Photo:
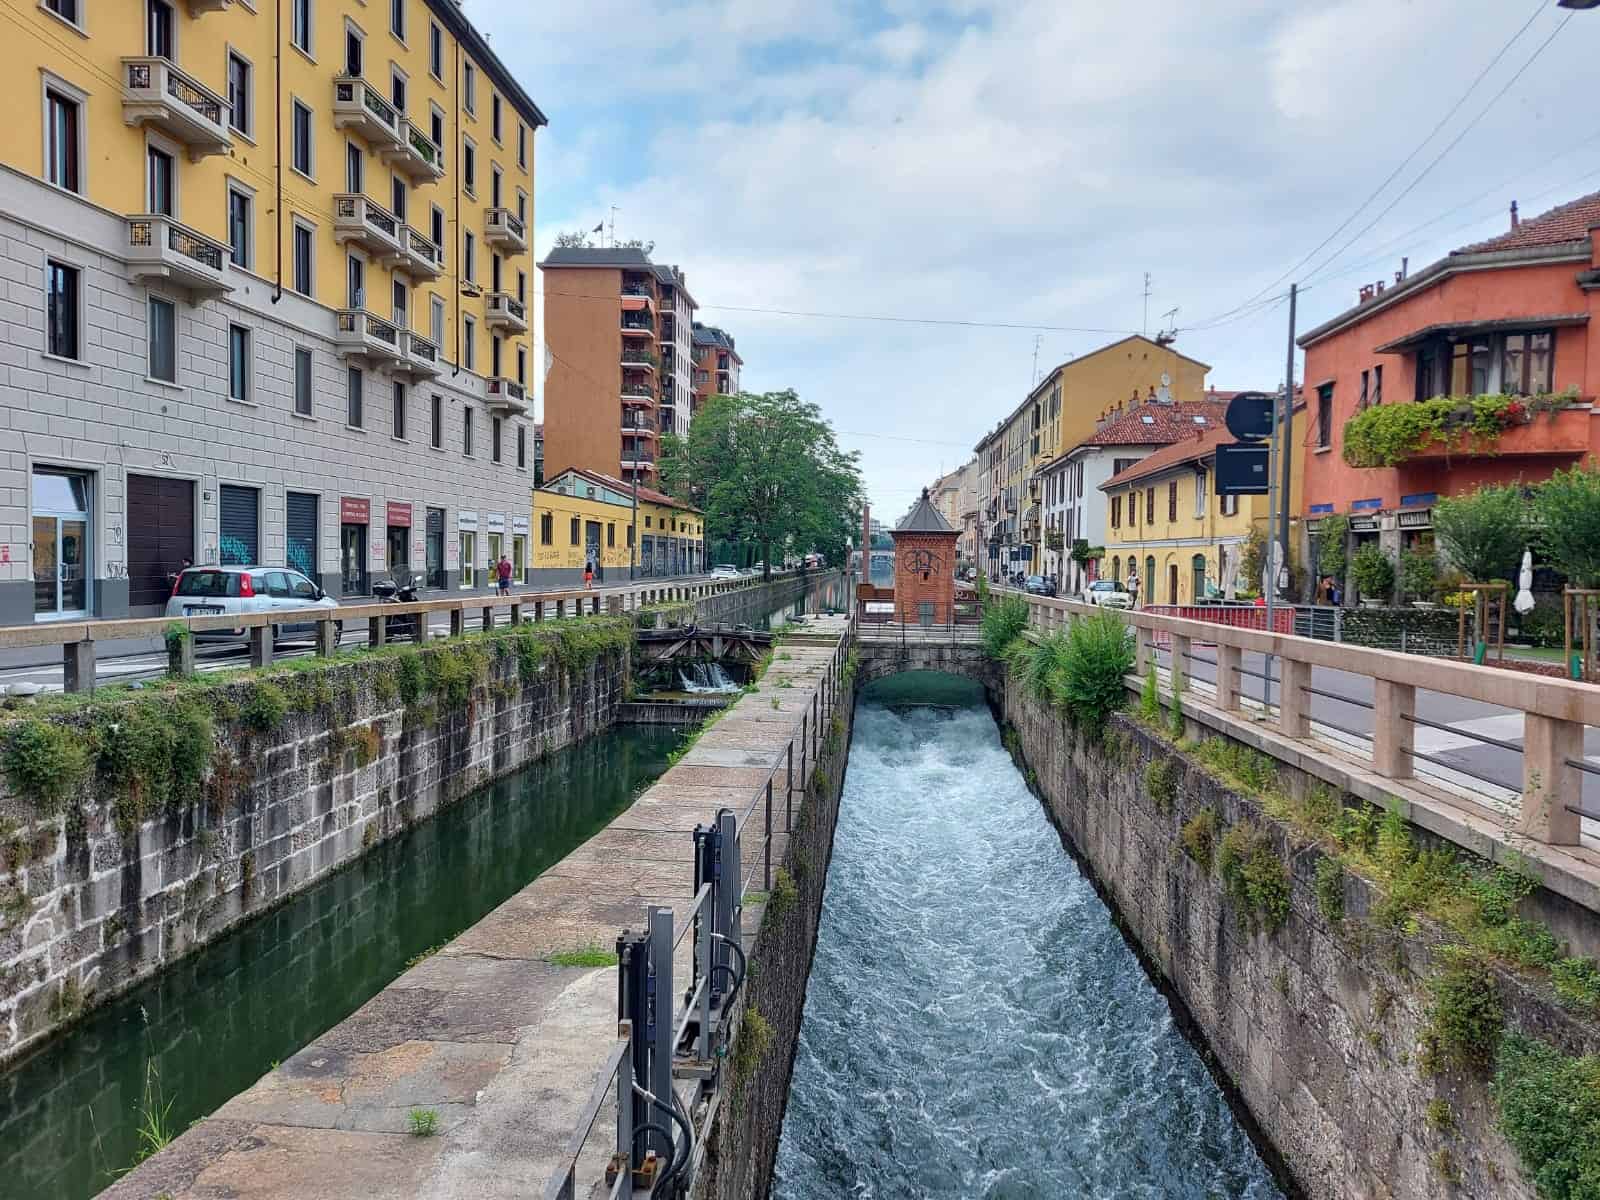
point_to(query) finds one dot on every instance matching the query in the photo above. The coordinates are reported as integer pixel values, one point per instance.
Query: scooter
(402, 590)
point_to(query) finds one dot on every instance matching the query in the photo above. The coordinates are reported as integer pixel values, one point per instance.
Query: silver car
(212, 591)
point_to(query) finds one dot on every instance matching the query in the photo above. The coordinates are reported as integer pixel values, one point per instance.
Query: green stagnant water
(222, 1017)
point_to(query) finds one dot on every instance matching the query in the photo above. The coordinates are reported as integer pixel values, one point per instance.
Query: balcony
(362, 221)
(423, 260)
(160, 248)
(199, 8)
(638, 394)
(422, 357)
(507, 395)
(632, 327)
(156, 93)
(505, 312)
(417, 156)
(359, 334)
(637, 297)
(504, 230)
(1562, 433)
(637, 423)
(639, 360)
(357, 107)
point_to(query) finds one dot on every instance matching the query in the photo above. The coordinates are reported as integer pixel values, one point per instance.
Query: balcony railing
(637, 422)
(424, 259)
(361, 219)
(505, 311)
(360, 334)
(422, 356)
(158, 93)
(506, 394)
(635, 328)
(357, 106)
(639, 360)
(160, 248)
(415, 154)
(504, 229)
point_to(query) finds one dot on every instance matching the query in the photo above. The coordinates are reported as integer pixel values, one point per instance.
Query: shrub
(265, 707)
(1549, 1106)
(153, 754)
(1003, 622)
(1465, 1020)
(1332, 536)
(1161, 782)
(1253, 875)
(1096, 656)
(1372, 573)
(1577, 982)
(1150, 696)
(411, 677)
(1566, 508)
(1199, 836)
(44, 762)
(1419, 574)
(1483, 532)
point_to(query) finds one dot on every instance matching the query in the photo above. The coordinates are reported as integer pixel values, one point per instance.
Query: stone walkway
(501, 1043)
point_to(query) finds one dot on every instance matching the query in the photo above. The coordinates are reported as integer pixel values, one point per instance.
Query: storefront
(434, 555)
(355, 515)
(62, 562)
(397, 524)
(519, 549)
(467, 546)
(496, 523)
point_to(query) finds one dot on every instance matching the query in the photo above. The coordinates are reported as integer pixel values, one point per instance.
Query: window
(355, 160)
(302, 259)
(494, 116)
(494, 355)
(1116, 512)
(397, 90)
(522, 206)
(469, 343)
(239, 227)
(61, 310)
(1150, 506)
(239, 98)
(238, 362)
(158, 29)
(435, 50)
(162, 179)
(469, 165)
(67, 10)
(1199, 494)
(469, 88)
(400, 303)
(302, 381)
(436, 422)
(355, 282)
(1324, 415)
(300, 137)
(352, 50)
(522, 365)
(300, 24)
(436, 125)
(494, 186)
(522, 145)
(436, 320)
(574, 533)
(1361, 400)
(469, 257)
(398, 409)
(397, 198)
(436, 227)
(494, 438)
(466, 432)
(354, 382)
(522, 447)
(1172, 501)
(1377, 385)
(1228, 505)
(1527, 364)
(494, 271)
(547, 533)
(397, 18)
(163, 339)
(611, 533)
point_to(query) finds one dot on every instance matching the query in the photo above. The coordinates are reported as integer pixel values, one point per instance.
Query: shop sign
(353, 511)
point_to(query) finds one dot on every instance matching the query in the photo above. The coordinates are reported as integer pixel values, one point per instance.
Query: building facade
(1509, 317)
(588, 518)
(619, 331)
(266, 298)
(716, 364)
(924, 566)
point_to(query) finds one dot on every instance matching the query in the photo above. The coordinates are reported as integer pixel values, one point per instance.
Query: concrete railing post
(1180, 655)
(327, 638)
(516, 614)
(1228, 660)
(261, 646)
(1550, 783)
(1143, 649)
(180, 655)
(561, 609)
(1294, 709)
(1392, 730)
(77, 666)
(538, 611)
(377, 631)
(488, 618)
(458, 622)
(614, 605)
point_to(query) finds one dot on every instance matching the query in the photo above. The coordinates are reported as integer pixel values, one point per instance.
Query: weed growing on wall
(44, 762)
(784, 894)
(1175, 710)
(752, 1043)
(1199, 836)
(1329, 887)
(1465, 1019)
(1254, 875)
(1161, 782)
(265, 707)
(422, 1122)
(1549, 1105)
(1150, 696)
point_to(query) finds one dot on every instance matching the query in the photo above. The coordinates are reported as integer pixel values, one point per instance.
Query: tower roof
(924, 518)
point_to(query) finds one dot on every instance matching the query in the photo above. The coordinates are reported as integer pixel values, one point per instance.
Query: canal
(209, 1027)
(974, 1024)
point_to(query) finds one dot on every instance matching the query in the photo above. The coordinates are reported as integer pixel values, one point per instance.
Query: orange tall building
(716, 364)
(619, 330)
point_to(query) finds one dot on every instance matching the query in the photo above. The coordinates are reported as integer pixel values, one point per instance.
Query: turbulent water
(974, 1026)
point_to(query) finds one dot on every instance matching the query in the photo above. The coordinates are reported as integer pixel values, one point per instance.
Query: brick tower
(924, 565)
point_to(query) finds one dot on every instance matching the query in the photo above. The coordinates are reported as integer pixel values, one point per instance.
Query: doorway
(160, 536)
(61, 522)
(1172, 583)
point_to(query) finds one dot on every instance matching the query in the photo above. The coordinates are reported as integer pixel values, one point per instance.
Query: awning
(1456, 331)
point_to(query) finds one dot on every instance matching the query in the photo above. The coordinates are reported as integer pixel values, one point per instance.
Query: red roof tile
(1570, 222)
(1158, 424)
(1191, 450)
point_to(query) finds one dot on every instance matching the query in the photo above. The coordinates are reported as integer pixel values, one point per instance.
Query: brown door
(160, 535)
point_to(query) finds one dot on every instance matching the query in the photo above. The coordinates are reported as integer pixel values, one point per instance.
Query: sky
(1014, 168)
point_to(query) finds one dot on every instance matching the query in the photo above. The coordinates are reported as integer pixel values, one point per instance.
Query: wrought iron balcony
(358, 107)
(160, 248)
(360, 334)
(507, 395)
(156, 92)
(362, 221)
(504, 230)
(424, 259)
(638, 394)
(422, 357)
(635, 328)
(505, 312)
(416, 155)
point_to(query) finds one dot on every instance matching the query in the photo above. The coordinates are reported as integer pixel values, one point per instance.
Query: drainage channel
(203, 1031)
(974, 1024)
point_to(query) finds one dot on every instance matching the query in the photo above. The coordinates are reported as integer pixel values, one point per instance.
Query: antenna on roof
(1034, 379)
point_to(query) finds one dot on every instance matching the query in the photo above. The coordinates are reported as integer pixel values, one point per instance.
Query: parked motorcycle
(401, 590)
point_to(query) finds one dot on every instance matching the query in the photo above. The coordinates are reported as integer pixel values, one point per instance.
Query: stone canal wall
(750, 605)
(1332, 1019)
(138, 827)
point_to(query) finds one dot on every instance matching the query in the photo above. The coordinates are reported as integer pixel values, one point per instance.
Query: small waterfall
(700, 677)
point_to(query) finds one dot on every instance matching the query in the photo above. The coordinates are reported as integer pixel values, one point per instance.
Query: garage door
(300, 530)
(160, 535)
(241, 529)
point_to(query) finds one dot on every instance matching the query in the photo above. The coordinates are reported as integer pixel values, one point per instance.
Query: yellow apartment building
(586, 517)
(271, 268)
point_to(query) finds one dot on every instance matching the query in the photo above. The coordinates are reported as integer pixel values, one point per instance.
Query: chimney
(1405, 267)
(1366, 292)
(1515, 220)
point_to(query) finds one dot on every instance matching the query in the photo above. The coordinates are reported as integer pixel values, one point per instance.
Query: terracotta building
(716, 364)
(1510, 316)
(618, 328)
(924, 565)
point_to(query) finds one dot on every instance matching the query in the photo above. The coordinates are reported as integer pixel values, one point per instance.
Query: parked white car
(724, 571)
(212, 591)
(1107, 593)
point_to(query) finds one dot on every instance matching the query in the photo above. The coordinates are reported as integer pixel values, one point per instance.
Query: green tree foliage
(1483, 532)
(1373, 573)
(1567, 507)
(1003, 622)
(767, 470)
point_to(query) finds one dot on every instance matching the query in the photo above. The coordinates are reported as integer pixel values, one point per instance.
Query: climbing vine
(1385, 435)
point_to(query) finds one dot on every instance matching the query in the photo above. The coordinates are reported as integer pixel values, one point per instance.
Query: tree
(577, 239)
(1567, 506)
(766, 469)
(1484, 532)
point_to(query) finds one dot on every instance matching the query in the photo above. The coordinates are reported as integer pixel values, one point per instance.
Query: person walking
(503, 571)
(588, 574)
(1133, 589)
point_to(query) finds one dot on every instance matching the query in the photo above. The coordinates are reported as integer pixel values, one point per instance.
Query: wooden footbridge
(700, 643)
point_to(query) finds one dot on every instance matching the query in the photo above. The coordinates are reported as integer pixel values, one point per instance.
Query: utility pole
(1144, 327)
(1278, 495)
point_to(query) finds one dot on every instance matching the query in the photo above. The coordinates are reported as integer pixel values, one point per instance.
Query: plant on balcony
(1566, 509)
(1372, 573)
(1482, 532)
(1385, 435)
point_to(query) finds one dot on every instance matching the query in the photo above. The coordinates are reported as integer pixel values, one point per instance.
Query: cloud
(1022, 162)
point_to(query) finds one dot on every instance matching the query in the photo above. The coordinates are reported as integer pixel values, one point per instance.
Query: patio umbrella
(1524, 600)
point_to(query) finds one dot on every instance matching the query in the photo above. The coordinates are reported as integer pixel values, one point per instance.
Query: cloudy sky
(1024, 163)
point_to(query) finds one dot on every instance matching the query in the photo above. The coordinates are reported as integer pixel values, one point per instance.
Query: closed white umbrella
(1524, 601)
